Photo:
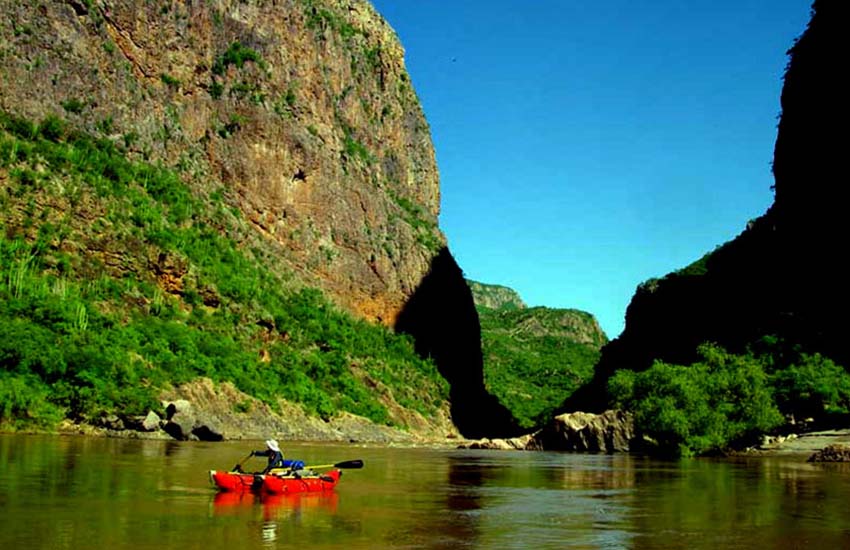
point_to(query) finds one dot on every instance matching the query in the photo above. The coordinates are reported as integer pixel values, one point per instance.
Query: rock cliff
(298, 114)
(783, 275)
(294, 119)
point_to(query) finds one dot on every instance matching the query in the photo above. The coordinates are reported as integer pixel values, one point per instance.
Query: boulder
(207, 431)
(186, 424)
(175, 407)
(180, 426)
(832, 453)
(611, 431)
(111, 422)
(151, 422)
(515, 443)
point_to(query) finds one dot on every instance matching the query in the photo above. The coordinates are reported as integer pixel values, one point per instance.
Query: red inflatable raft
(275, 484)
(301, 484)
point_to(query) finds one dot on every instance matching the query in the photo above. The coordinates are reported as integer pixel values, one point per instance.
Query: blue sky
(586, 147)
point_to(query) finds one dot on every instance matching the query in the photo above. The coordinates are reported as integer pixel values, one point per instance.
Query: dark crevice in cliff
(442, 319)
(784, 275)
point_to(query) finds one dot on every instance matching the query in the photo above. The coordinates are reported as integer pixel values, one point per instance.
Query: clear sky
(585, 147)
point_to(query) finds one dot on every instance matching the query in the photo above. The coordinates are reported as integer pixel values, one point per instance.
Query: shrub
(237, 55)
(169, 80)
(73, 105)
(52, 128)
(813, 387)
(216, 90)
(23, 402)
(709, 406)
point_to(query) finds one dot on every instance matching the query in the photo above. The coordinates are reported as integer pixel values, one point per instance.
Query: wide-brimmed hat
(272, 444)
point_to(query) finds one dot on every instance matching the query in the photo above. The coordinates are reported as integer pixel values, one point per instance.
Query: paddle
(347, 464)
(238, 467)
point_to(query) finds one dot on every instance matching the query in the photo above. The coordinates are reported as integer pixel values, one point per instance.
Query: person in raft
(276, 460)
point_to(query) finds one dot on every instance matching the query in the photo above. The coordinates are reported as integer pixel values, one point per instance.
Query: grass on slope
(116, 281)
(534, 358)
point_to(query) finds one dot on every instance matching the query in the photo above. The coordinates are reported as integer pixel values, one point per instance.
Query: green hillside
(117, 281)
(535, 357)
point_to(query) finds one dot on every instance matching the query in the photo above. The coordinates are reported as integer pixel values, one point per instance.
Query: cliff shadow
(784, 276)
(442, 319)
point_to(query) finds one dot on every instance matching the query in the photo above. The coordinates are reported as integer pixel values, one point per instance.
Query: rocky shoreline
(204, 411)
(613, 431)
(805, 443)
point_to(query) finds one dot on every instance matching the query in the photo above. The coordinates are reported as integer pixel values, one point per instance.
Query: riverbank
(206, 411)
(801, 445)
(806, 443)
(203, 410)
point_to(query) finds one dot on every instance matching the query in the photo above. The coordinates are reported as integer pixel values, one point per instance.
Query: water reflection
(603, 473)
(274, 506)
(464, 497)
(268, 512)
(77, 492)
(729, 503)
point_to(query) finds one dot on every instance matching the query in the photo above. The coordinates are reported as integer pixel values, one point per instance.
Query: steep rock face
(809, 160)
(783, 276)
(298, 114)
(294, 117)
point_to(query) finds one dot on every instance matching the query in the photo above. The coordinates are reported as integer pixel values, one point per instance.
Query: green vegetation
(90, 325)
(725, 401)
(73, 105)
(237, 55)
(319, 19)
(812, 386)
(285, 105)
(535, 357)
(216, 90)
(423, 225)
(373, 57)
(233, 125)
(169, 80)
(356, 150)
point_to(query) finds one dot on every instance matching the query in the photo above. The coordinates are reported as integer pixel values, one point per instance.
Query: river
(61, 492)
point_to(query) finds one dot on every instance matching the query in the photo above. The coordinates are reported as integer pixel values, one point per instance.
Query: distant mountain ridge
(533, 357)
(495, 296)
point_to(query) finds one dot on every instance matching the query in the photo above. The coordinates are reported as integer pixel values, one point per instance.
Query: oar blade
(346, 464)
(349, 464)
